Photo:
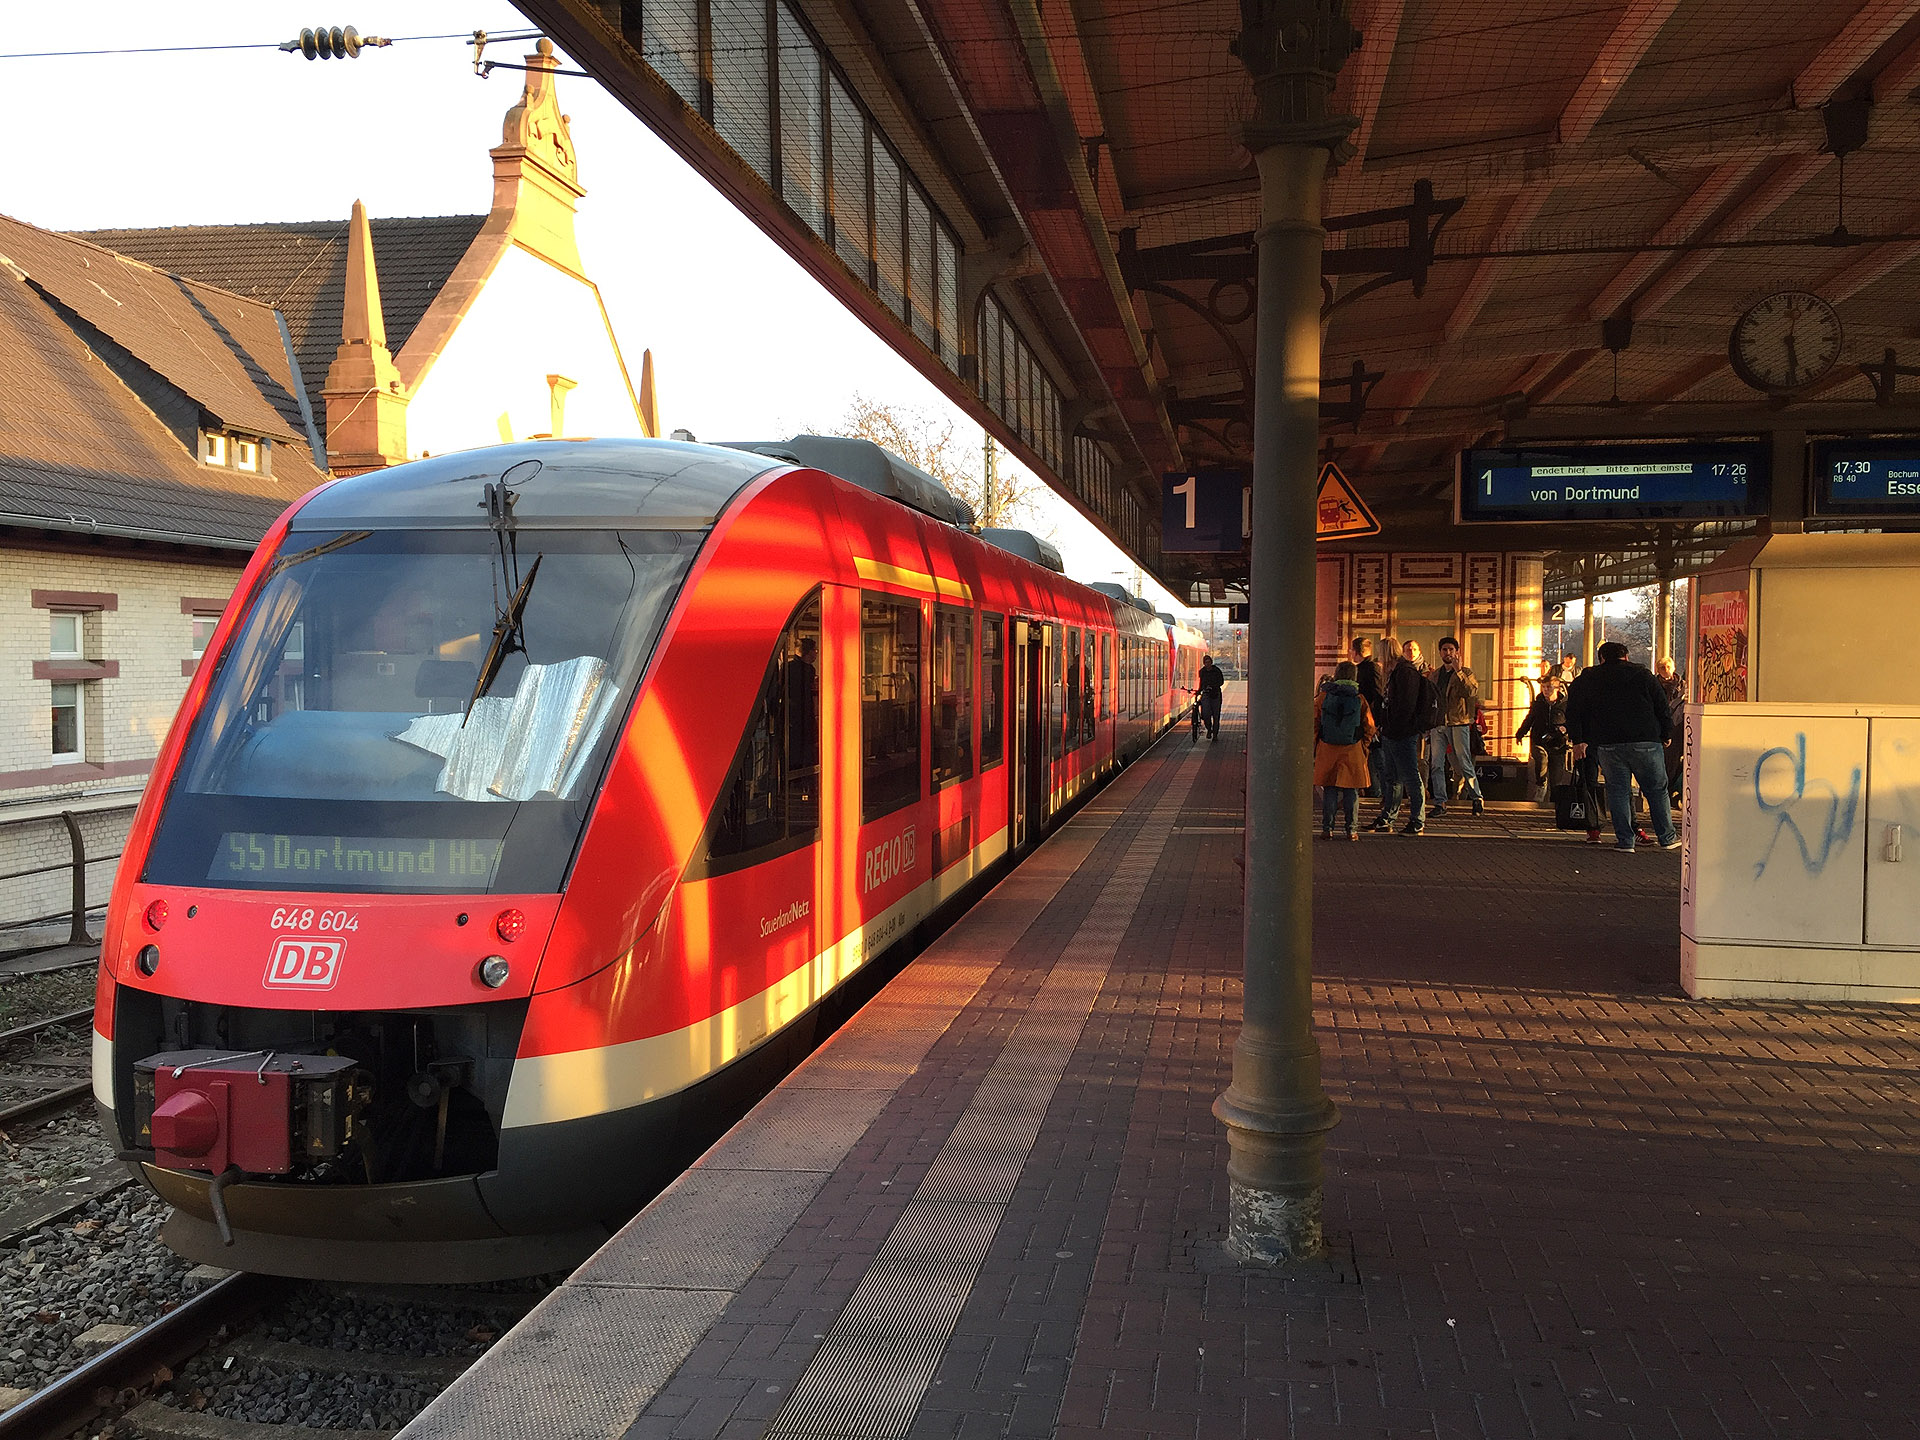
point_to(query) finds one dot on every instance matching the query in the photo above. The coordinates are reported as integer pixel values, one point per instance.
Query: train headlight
(509, 925)
(156, 915)
(148, 960)
(493, 971)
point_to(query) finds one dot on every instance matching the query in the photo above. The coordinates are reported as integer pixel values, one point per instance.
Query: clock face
(1785, 342)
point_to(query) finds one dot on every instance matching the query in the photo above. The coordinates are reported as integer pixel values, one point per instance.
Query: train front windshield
(425, 711)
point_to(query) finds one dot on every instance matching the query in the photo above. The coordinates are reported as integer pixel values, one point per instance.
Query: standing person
(1367, 675)
(1342, 726)
(1546, 723)
(1212, 684)
(1617, 710)
(1411, 703)
(1674, 685)
(1452, 738)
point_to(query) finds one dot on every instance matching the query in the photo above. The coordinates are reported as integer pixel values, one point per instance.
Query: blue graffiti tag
(1840, 813)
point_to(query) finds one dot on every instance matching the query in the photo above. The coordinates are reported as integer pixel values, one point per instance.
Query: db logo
(306, 964)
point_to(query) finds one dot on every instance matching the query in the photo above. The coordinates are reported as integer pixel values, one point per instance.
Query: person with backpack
(1413, 708)
(1342, 726)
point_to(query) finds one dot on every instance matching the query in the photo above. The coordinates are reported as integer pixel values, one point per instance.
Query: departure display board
(1867, 477)
(1613, 482)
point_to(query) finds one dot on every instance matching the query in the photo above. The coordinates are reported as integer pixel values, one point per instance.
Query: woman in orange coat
(1342, 728)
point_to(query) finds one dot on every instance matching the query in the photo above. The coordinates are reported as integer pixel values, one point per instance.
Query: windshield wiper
(506, 640)
(326, 547)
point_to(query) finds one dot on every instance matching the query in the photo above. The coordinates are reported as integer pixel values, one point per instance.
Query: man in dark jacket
(1406, 693)
(1366, 674)
(1619, 710)
(1213, 685)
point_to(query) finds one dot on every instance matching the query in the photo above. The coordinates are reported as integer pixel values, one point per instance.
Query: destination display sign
(294, 862)
(1867, 477)
(1613, 482)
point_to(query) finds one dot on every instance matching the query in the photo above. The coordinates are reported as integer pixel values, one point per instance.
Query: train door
(1029, 771)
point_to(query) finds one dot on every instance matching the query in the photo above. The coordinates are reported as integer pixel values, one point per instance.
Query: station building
(168, 392)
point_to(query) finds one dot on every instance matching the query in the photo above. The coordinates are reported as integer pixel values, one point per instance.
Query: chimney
(366, 403)
(536, 180)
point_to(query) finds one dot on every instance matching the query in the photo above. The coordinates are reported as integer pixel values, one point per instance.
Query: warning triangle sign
(1340, 514)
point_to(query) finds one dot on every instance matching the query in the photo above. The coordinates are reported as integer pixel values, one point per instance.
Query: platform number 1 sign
(1211, 511)
(1203, 511)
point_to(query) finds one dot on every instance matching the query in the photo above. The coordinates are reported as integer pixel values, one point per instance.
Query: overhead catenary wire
(462, 35)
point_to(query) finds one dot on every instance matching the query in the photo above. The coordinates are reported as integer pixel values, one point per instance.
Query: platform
(1562, 1201)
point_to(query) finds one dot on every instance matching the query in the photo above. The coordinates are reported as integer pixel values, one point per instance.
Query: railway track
(26, 1213)
(178, 1377)
(38, 1109)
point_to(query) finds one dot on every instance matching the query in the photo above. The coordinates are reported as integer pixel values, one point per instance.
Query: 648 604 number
(295, 917)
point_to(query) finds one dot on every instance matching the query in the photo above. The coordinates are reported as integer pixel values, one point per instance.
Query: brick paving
(1562, 1201)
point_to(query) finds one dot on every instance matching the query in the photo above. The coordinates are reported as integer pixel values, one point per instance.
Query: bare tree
(1010, 498)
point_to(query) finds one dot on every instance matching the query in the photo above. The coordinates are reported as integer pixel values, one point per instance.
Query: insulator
(324, 41)
(339, 44)
(308, 46)
(347, 42)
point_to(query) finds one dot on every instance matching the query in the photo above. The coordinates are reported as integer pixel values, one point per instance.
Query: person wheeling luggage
(1342, 728)
(1212, 683)
(1618, 712)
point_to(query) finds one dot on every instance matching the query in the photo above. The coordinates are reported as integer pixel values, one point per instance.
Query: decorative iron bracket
(1886, 376)
(1232, 261)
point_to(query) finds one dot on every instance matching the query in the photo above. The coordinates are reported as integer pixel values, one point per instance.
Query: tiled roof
(223, 351)
(301, 269)
(79, 451)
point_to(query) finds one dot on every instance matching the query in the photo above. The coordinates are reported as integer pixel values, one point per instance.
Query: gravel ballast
(103, 1265)
(26, 998)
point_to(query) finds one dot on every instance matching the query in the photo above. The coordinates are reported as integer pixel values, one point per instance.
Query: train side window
(952, 695)
(992, 684)
(1073, 687)
(1056, 698)
(772, 800)
(889, 704)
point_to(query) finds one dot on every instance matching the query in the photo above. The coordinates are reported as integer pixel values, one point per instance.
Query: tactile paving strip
(872, 1372)
(629, 1340)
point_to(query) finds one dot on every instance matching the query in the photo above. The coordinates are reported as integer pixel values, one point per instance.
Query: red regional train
(530, 803)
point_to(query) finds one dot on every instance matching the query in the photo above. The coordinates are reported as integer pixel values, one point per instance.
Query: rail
(62, 1405)
(76, 863)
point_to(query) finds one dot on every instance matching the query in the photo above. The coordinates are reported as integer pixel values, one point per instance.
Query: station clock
(1785, 342)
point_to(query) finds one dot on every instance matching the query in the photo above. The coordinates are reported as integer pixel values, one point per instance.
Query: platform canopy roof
(1049, 210)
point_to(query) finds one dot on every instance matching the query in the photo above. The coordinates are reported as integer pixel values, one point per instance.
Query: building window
(203, 627)
(67, 726)
(65, 639)
(236, 452)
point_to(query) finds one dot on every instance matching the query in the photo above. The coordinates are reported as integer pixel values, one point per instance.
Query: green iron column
(1276, 1113)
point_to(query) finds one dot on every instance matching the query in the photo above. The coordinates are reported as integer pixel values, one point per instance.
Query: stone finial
(534, 129)
(535, 179)
(361, 321)
(366, 403)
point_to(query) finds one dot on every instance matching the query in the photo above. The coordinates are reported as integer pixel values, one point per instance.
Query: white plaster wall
(530, 321)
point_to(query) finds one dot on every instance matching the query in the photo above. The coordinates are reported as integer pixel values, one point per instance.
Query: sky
(745, 344)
